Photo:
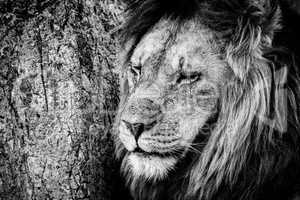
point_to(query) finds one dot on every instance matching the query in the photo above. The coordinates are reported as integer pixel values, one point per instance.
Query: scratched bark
(58, 94)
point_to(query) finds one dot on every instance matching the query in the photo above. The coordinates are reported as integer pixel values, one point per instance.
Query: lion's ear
(254, 32)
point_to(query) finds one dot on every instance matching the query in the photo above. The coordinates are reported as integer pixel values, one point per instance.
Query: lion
(209, 101)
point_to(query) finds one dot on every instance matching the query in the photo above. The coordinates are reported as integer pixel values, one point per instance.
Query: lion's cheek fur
(190, 128)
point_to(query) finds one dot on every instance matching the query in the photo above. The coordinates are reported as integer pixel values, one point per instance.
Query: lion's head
(174, 82)
(204, 97)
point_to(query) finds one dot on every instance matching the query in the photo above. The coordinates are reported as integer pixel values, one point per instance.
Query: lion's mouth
(140, 152)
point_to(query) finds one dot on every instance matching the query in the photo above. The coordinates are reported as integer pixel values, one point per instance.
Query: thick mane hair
(254, 149)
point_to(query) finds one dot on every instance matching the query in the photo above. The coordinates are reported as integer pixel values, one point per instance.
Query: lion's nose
(137, 129)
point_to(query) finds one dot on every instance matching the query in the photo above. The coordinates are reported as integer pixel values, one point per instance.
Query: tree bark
(58, 95)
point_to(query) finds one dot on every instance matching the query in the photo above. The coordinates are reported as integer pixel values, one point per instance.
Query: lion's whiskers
(194, 146)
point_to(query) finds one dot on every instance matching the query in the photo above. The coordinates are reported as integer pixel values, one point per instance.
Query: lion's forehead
(153, 42)
(193, 42)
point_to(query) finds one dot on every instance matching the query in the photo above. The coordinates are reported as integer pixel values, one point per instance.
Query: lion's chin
(150, 167)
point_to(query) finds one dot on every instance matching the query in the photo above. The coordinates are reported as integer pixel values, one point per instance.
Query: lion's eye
(134, 76)
(136, 70)
(188, 78)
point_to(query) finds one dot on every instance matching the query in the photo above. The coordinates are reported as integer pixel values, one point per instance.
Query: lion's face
(172, 85)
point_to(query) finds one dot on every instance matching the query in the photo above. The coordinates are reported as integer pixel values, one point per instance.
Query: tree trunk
(58, 94)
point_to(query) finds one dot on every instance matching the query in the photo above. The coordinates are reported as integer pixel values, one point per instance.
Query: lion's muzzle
(144, 129)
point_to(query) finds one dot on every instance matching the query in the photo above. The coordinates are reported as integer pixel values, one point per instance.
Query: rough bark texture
(58, 93)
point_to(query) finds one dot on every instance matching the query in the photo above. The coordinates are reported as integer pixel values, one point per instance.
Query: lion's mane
(253, 151)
